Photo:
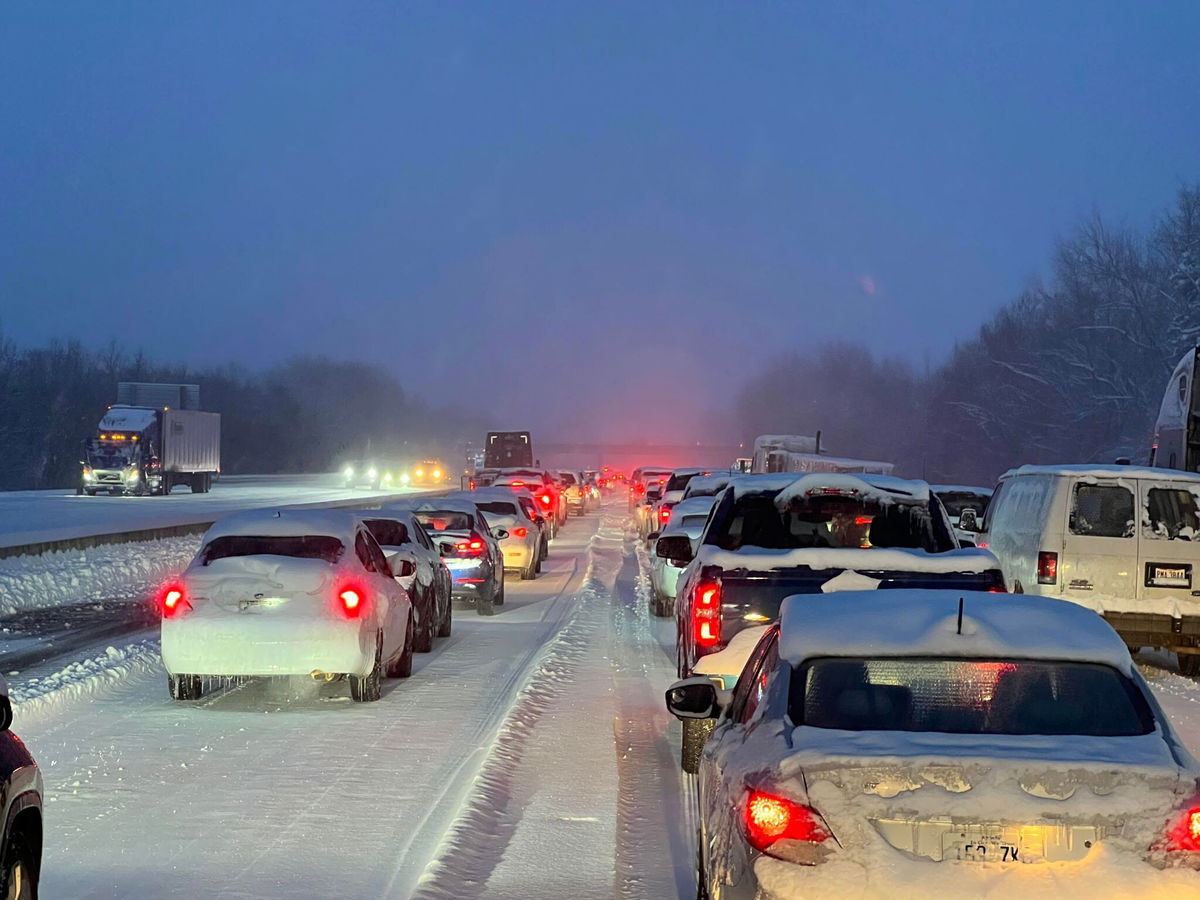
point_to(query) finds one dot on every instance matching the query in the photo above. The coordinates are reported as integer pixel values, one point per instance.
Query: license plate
(1169, 575)
(984, 849)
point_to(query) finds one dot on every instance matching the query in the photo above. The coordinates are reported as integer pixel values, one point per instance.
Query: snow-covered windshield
(388, 532)
(308, 546)
(499, 508)
(967, 696)
(108, 456)
(828, 521)
(445, 520)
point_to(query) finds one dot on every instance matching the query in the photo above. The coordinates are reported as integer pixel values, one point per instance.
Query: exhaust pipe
(318, 675)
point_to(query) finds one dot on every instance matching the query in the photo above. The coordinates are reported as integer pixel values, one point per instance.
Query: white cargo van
(1122, 540)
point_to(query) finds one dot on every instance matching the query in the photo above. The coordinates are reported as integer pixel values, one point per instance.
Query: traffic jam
(850, 684)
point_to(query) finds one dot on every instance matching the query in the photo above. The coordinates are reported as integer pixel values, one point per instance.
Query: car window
(830, 521)
(751, 683)
(445, 520)
(1171, 514)
(967, 696)
(379, 562)
(1102, 510)
(363, 552)
(388, 532)
(309, 546)
(499, 508)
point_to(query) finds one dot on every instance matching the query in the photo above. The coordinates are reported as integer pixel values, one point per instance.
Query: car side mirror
(446, 548)
(674, 546)
(694, 698)
(403, 568)
(499, 533)
(541, 520)
(968, 519)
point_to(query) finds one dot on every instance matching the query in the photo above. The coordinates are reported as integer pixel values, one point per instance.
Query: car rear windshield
(829, 521)
(387, 532)
(309, 546)
(678, 482)
(566, 478)
(499, 508)
(956, 501)
(445, 520)
(967, 696)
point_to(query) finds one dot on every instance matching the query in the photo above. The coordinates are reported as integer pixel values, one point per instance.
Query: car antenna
(960, 607)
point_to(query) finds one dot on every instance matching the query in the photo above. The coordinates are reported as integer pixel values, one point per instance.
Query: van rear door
(1169, 545)
(1100, 550)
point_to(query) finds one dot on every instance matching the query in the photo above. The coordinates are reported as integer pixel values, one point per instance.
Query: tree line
(308, 414)
(1072, 370)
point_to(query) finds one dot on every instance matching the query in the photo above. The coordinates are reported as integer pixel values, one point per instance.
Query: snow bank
(82, 678)
(111, 572)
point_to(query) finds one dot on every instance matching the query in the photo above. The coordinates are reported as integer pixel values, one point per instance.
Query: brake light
(706, 614)
(664, 513)
(352, 602)
(545, 498)
(769, 818)
(517, 483)
(173, 601)
(473, 547)
(520, 532)
(1047, 571)
(1184, 835)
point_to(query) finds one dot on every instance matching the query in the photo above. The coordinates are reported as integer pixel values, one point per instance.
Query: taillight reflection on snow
(770, 819)
(173, 601)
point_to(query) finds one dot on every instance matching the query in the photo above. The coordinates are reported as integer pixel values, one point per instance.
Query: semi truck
(1177, 431)
(154, 437)
(508, 449)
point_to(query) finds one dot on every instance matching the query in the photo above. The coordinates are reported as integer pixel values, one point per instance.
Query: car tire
(701, 876)
(530, 571)
(498, 595)
(401, 666)
(446, 625)
(185, 687)
(485, 606)
(1189, 664)
(423, 642)
(661, 607)
(19, 878)
(695, 735)
(368, 688)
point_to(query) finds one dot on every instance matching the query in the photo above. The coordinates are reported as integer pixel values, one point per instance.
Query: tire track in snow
(655, 834)
(476, 843)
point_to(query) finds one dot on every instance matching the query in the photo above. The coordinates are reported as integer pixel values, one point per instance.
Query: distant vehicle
(474, 556)
(541, 484)
(141, 449)
(769, 450)
(770, 536)
(288, 592)
(642, 477)
(688, 519)
(672, 493)
(784, 453)
(505, 449)
(577, 492)
(1177, 431)
(1121, 540)
(965, 506)
(21, 795)
(428, 473)
(403, 539)
(374, 475)
(938, 744)
(525, 545)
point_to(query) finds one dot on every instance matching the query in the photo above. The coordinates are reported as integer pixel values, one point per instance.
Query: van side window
(1102, 510)
(1171, 514)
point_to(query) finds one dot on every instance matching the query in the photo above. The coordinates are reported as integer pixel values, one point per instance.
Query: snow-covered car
(707, 485)
(403, 539)
(688, 519)
(1120, 540)
(21, 804)
(673, 491)
(929, 743)
(961, 498)
(547, 494)
(473, 554)
(576, 491)
(287, 592)
(524, 547)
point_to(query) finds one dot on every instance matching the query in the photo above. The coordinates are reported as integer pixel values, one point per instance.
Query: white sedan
(524, 547)
(907, 743)
(293, 592)
(687, 518)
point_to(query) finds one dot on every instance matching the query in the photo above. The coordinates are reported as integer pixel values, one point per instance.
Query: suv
(21, 790)
(1121, 540)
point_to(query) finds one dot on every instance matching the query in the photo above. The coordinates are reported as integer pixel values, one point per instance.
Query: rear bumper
(468, 576)
(255, 645)
(1156, 629)
(517, 557)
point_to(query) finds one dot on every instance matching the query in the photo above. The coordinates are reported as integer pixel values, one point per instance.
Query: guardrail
(85, 542)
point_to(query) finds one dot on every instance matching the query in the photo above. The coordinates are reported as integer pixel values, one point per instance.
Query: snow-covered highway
(27, 517)
(528, 756)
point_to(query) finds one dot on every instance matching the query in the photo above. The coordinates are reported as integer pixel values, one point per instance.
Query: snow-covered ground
(528, 757)
(28, 517)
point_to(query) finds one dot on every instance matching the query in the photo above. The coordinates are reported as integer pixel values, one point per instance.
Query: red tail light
(1047, 567)
(472, 547)
(173, 601)
(706, 614)
(664, 513)
(545, 498)
(352, 601)
(1183, 835)
(520, 532)
(769, 818)
(516, 484)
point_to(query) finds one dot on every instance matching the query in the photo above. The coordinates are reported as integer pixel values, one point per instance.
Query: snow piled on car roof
(336, 523)
(925, 623)
(1091, 470)
(859, 559)
(881, 488)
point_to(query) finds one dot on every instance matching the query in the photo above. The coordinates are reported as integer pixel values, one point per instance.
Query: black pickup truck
(771, 536)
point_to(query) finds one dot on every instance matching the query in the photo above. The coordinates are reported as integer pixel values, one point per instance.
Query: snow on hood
(880, 488)
(695, 506)
(864, 559)
(706, 486)
(921, 622)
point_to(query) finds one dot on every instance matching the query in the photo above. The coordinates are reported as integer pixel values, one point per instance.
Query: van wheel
(185, 687)
(19, 879)
(695, 735)
(1189, 664)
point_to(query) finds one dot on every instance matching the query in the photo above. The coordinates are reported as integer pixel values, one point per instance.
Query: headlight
(437, 473)
(404, 478)
(387, 476)
(88, 475)
(131, 475)
(371, 473)
(420, 473)
(348, 471)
